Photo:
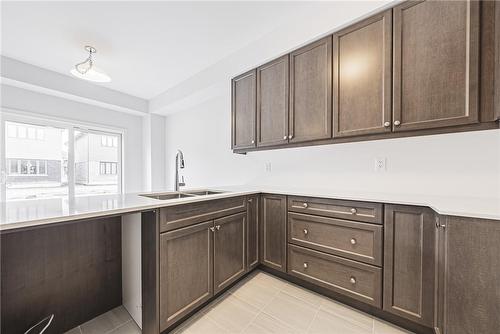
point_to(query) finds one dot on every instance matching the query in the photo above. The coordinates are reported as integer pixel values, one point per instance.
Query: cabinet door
(362, 71)
(186, 271)
(311, 92)
(243, 102)
(469, 298)
(252, 232)
(273, 231)
(409, 262)
(497, 60)
(229, 250)
(272, 102)
(436, 64)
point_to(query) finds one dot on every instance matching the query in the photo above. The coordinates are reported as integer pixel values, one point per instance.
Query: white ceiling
(146, 47)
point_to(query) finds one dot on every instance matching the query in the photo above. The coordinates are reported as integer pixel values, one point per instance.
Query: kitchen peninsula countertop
(34, 212)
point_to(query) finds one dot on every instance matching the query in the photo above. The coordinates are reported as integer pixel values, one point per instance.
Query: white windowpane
(115, 141)
(31, 133)
(29, 161)
(21, 131)
(12, 130)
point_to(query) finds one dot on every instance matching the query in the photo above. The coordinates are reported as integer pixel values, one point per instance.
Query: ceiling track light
(87, 70)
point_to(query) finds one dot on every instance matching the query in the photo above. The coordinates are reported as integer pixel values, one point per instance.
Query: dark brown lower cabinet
(410, 253)
(273, 231)
(229, 250)
(252, 232)
(186, 271)
(469, 276)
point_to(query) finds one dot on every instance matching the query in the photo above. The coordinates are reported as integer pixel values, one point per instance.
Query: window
(26, 167)
(40, 162)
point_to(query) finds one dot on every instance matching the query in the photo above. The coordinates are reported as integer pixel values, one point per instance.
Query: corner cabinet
(469, 276)
(410, 253)
(273, 231)
(243, 115)
(311, 92)
(362, 77)
(436, 64)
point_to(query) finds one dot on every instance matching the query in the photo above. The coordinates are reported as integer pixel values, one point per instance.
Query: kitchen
(267, 167)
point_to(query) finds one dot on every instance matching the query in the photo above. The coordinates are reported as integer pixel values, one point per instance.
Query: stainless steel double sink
(181, 194)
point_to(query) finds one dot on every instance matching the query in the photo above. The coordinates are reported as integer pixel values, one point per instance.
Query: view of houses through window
(37, 160)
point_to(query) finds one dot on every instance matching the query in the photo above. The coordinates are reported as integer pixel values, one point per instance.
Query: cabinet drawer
(354, 279)
(357, 241)
(183, 215)
(361, 211)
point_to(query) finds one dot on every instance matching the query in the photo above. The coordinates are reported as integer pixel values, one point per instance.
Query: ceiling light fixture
(87, 71)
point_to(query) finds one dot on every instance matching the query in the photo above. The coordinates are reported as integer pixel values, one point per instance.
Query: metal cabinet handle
(217, 227)
(290, 136)
(306, 231)
(352, 280)
(305, 205)
(387, 124)
(354, 211)
(305, 265)
(397, 123)
(212, 229)
(353, 241)
(249, 200)
(285, 137)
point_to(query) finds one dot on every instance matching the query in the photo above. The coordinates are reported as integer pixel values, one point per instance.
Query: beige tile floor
(259, 304)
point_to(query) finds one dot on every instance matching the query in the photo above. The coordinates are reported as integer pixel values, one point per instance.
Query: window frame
(19, 116)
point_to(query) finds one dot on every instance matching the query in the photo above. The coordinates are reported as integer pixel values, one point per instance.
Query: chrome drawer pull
(305, 205)
(212, 229)
(217, 227)
(353, 241)
(306, 231)
(352, 280)
(353, 211)
(305, 265)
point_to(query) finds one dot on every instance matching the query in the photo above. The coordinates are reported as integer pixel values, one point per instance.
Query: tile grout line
(261, 310)
(314, 318)
(120, 325)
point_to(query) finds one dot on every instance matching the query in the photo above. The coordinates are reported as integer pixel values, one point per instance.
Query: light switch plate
(380, 164)
(268, 167)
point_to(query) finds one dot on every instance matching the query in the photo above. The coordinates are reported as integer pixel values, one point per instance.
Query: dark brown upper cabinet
(273, 231)
(229, 250)
(244, 100)
(311, 92)
(497, 61)
(410, 237)
(362, 71)
(436, 64)
(272, 102)
(252, 232)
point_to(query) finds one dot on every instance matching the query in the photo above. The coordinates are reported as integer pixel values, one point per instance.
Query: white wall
(451, 164)
(43, 105)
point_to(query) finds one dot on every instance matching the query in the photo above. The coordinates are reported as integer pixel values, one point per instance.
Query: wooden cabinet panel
(360, 211)
(469, 298)
(229, 250)
(272, 102)
(354, 240)
(244, 102)
(436, 64)
(174, 217)
(362, 71)
(409, 262)
(186, 271)
(497, 60)
(252, 232)
(311, 92)
(273, 231)
(354, 279)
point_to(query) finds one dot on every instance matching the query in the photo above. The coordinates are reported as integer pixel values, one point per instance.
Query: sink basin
(167, 196)
(203, 192)
(183, 194)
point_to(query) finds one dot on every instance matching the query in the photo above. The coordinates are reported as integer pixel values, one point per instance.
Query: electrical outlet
(268, 167)
(380, 164)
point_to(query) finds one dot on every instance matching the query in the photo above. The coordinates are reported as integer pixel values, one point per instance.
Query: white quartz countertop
(28, 213)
